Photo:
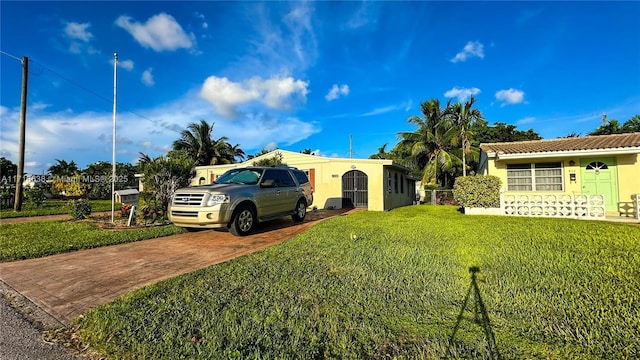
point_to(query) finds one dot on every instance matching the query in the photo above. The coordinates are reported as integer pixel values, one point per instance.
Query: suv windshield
(240, 176)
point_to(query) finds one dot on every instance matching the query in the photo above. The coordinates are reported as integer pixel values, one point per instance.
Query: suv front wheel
(300, 211)
(243, 221)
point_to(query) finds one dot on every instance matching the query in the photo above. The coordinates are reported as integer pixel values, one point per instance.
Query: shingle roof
(601, 142)
(127, 192)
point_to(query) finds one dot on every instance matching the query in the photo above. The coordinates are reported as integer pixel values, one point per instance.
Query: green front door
(599, 176)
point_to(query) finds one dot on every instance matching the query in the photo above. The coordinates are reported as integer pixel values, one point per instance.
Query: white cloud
(78, 31)
(461, 93)
(472, 49)
(126, 64)
(526, 120)
(298, 21)
(405, 106)
(286, 46)
(86, 137)
(275, 93)
(160, 33)
(365, 15)
(79, 38)
(337, 90)
(510, 96)
(147, 77)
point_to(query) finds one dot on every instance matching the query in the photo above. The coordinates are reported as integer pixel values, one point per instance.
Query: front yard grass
(33, 239)
(54, 207)
(385, 285)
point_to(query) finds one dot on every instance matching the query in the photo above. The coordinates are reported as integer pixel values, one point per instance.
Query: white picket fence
(554, 205)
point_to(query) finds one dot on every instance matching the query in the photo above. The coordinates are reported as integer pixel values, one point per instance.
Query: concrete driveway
(68, 285)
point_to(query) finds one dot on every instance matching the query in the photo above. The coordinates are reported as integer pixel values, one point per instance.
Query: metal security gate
(355, 189)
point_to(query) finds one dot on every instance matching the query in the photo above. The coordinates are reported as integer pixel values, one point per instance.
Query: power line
(11, 56)
(75, 83)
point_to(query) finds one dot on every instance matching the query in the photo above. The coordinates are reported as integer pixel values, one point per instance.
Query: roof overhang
(570, 153)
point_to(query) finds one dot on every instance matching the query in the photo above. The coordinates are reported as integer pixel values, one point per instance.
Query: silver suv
(242, 197)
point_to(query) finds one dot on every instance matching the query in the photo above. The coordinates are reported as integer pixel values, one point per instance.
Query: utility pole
(350, 146)
(17, 204)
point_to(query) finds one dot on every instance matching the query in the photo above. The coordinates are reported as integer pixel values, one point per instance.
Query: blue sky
(297, 75)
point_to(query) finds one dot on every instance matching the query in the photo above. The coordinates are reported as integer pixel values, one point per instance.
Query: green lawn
(553, 288)
(41, 238)
(55, 207)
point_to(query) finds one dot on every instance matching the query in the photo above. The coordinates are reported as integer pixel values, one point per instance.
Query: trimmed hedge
(477, 191)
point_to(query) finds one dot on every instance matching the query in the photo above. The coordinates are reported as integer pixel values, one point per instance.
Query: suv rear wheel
(243, 221)
(300, 211)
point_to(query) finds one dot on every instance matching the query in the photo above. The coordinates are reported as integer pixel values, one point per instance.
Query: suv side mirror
(268, 183)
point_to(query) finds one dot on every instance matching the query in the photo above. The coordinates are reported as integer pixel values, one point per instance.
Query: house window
(597, 165)
(534, 177)
(389, 182)
(396, 182)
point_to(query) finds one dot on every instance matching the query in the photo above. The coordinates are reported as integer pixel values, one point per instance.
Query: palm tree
(238, 153)
(428, 145)
(608, 127)
(62, 168)
(458, 119)
(631, 125)
(381, 153)
(222, 153)
(198, 142)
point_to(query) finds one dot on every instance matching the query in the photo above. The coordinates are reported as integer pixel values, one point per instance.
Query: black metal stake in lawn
(480, 315)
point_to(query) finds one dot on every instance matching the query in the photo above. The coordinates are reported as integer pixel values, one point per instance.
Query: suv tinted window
(280, 177)
(240, 176)
(300, 176)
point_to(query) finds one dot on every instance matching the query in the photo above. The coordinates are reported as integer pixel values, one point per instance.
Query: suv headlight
(216, 199)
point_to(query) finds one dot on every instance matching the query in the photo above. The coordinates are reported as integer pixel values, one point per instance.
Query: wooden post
(17, 206)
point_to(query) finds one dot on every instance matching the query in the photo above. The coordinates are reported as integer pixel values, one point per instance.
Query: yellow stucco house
(373, 184)
(607, 165)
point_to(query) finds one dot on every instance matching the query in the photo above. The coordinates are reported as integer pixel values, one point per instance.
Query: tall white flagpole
(113, 154)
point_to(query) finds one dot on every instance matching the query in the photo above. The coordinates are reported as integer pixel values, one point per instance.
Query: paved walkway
(68, 285)
(49, 217)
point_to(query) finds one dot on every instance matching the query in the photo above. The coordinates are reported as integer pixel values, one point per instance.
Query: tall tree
(381, 154)
(163, 175)
(428, 145)
(609, 127)
(199, 144)
(238, 153)
(8, 170)
(458, 120)
(632, 125)
(62, 168)
(500, 132)
(61, 184)
(259, 153)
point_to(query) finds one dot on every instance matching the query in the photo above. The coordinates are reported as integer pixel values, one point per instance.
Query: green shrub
(477, 191)
(79, 209)
(150, 208)
(7, 195)
(34, 196)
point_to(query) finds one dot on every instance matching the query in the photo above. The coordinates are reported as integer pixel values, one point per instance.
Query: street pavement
(20, 339)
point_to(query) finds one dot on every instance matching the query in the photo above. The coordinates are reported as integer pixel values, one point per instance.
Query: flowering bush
(125, 210)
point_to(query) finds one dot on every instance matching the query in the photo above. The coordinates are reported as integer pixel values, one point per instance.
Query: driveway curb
(41, 319)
